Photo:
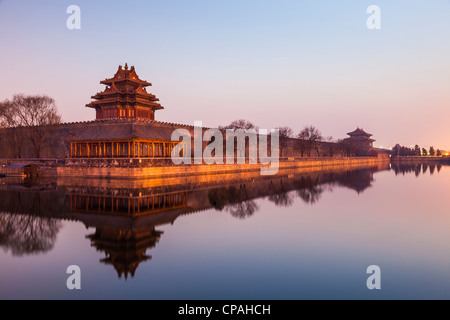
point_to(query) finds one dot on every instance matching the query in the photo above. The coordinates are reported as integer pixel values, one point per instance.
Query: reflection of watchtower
(124, 248)
(125, 220)
(358, 180)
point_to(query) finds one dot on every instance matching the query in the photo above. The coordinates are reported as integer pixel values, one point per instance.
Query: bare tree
(341, 146)
(3, 108)
(35, 113)
(312, 137)
(303, 143)
(348, 148)
(9, 119)
(285, 133)
(240, 124)
(315, 138)
(331, 146)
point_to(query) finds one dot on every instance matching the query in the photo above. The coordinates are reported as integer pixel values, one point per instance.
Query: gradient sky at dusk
(274, 63)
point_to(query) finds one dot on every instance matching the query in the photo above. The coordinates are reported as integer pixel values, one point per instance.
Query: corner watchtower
(125, 96)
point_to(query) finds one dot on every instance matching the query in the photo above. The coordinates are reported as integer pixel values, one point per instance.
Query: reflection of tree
(220, 197)
(280, 195)
(234, 200)
(432, 168)
(310, 195)
(285, 199)
(309, 189)
(27, 234)
(405, 168)
(242, 210)
(417, 169)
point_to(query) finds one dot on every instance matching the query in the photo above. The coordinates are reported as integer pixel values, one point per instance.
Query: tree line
(309, 141)
(29, 115)
(402, 151)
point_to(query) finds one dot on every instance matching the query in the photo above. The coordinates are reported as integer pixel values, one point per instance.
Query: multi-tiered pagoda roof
(360, 135)
(125, 97)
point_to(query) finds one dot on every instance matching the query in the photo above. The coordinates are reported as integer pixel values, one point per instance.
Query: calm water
(294, 236)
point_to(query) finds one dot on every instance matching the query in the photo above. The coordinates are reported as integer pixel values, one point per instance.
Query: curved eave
(134, 101)
(114, 80)
(359, 139)
(99, 104)
(359, 132)
(147, 95)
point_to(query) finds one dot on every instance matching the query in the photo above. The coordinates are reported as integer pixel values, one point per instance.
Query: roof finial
(126, 66)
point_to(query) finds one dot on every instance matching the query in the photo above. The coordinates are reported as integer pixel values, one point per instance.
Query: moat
(296, 235)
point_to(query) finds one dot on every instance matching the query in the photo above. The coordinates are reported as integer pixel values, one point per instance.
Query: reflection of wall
(19, 200)
(308, 187)
(125, 217)
(127, 205)
(125, 244)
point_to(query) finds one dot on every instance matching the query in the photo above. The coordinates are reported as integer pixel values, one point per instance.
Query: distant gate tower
(125, 97)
